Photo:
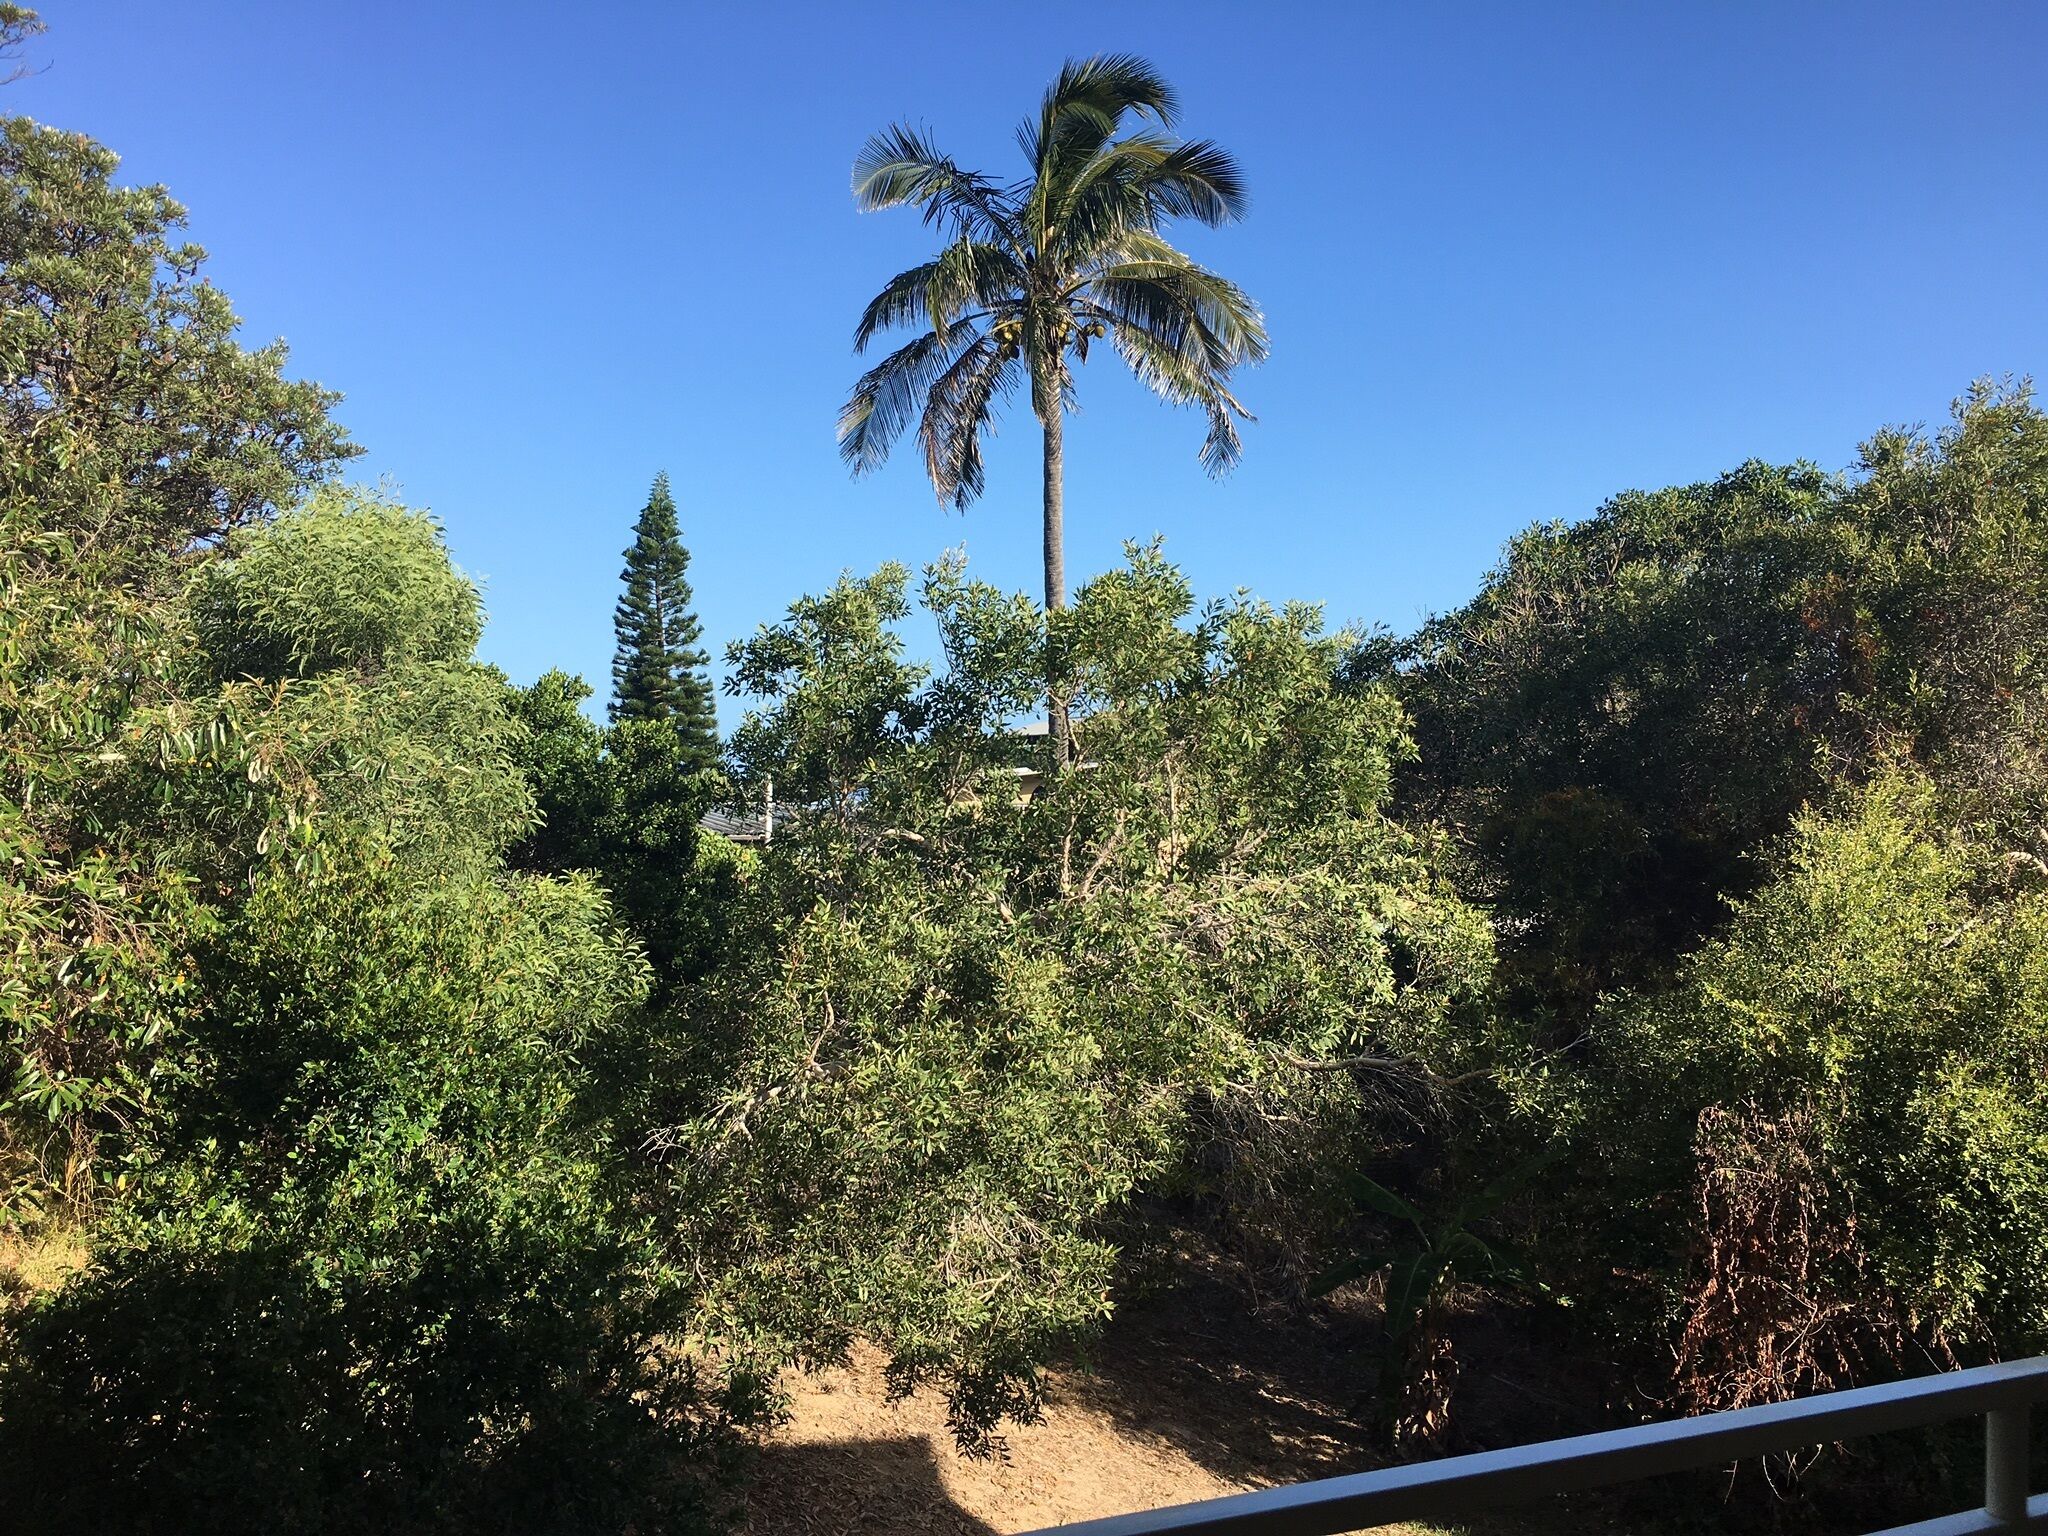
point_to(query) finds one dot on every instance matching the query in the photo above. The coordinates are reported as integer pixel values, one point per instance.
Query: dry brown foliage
(1783, 1297)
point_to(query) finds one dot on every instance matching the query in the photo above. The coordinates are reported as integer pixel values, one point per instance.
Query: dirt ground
(1188, 1397)
(850, 1461)
(1193, 1393)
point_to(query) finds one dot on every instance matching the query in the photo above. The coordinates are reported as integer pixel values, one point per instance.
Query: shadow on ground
(856, 1488)
(1191, 1393)
(1287, 1391)
(1254, 1398)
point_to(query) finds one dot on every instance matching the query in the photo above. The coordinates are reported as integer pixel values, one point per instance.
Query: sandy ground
(851, 1461)
(1190, 1393)
(1178, 1404)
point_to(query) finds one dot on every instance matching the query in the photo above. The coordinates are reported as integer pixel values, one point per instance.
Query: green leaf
(1376, 1196)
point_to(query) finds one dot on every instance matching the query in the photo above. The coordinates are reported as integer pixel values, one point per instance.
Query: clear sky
(1514, 259)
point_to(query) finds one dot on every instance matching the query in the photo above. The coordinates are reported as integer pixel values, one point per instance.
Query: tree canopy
(459, 1137)
(961, 1023)
(309, 1065)
(1034, 271)
(1749, 773)
(658, 671)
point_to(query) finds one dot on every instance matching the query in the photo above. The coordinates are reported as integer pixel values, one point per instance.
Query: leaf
(1340, 1275)
(1411, 1283)
(1376, 1196)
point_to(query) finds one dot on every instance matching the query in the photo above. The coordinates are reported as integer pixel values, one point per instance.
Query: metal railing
(1468, 1485)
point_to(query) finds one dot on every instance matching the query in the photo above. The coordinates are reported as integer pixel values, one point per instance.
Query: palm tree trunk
(1059, 728)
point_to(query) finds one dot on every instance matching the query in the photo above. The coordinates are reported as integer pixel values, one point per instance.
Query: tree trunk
(1051, 417)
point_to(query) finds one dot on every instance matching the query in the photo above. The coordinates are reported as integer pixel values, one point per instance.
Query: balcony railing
(1467, 1485)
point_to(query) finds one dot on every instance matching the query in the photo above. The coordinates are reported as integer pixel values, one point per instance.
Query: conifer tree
(658, 670)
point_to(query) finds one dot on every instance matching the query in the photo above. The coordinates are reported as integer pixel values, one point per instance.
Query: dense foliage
(280, 1027)
(461, 1137)
(378, 1264)
(1634, 705)
(1867, 1037)
(624, 803)
(138, 435)
(1750, 773)
(962, 1021)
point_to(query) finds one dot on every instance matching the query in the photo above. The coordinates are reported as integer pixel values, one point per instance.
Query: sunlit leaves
(960, 1023)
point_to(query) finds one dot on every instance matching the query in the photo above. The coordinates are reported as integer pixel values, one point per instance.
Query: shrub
(380, 1272)
(1876, 1016)
(349, 580)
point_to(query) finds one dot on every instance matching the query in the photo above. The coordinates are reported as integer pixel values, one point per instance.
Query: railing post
(2007, 1477)
(2002, 1394)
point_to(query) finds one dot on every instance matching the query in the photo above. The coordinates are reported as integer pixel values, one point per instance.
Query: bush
(347, 581)
(1876, 1017)
(380, 1273)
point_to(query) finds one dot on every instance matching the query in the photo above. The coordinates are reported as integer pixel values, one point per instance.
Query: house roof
(742, 826)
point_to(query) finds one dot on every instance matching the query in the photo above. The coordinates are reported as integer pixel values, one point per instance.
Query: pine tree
(658, 670)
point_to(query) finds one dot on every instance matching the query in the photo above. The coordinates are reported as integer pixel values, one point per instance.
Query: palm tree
(1034, 270)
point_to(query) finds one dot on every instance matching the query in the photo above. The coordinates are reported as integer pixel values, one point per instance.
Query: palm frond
(886, 396)
(900, 166)
(1142, 179)
(1103, 199)
(958, 409)
(1111, 85)
(1180, 314)
(1223, 446)
(1176, 374)
(901, 302)
(1137, 242)
(971, 272)
(1081, 113)
(1199, 180)
(1179, 379)
(1098, 91)
(965, 274)
(1152, 308)
(1178, 299)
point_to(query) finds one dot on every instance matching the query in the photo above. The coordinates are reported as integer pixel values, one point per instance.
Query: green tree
(136, 422)
(658, 670)
(1035, 271)
(366, 1163)
(347, 615)
(1752, 773)
(562, 759)
(376, 1214)
(623, 804)
(323, 1076)
(958, 1025)
(1629, 708)
(1847, 1080)
(1637, 705)
(136, 434)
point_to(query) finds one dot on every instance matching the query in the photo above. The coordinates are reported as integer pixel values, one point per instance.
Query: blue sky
(1514, 259)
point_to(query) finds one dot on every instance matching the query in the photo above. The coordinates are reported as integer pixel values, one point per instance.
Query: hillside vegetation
(409, 1119)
